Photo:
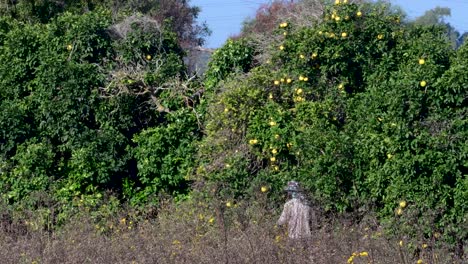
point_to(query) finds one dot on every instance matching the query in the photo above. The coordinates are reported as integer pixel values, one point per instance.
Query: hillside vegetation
(103, 128)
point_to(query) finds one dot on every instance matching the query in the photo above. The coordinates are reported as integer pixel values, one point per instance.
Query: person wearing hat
(296, 213)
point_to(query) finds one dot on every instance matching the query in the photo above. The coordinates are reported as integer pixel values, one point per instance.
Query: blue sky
(224, 17)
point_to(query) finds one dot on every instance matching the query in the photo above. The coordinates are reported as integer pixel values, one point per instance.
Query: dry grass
(196, 232)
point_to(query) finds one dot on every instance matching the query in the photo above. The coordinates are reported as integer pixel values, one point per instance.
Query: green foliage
(164, 156)
(51, 85)
(178, 16)
(364, 110)
(31, 170)
(235, 55)
(83, 102)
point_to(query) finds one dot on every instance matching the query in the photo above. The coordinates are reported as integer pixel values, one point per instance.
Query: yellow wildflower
(277, 238)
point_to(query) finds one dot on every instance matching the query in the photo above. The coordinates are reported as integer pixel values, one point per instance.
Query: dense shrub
(83, 101)
(234, 56)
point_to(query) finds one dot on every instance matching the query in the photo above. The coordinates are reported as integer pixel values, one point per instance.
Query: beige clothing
(296, 215)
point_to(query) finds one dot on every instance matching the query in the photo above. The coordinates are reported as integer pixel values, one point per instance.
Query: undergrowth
(197, 231)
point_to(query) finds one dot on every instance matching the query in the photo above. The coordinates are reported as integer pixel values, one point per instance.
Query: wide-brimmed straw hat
(293, 186)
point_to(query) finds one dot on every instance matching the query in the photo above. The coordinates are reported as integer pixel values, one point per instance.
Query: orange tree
(363, 109)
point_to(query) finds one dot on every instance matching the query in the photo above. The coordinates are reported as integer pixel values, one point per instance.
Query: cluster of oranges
(253, 141)
(273, 159)
(298, 96)
(401, 206)
(282, 80)
(422, 62)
